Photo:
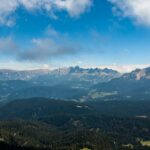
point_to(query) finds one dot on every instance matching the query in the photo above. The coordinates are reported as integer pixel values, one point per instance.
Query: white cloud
(37, 4)
(44, 49)
(139, 10)
(73, 7)
(8, 46)
(7, 8)
(15, 65)
(50, 31)
(125, 68)
(53, 45)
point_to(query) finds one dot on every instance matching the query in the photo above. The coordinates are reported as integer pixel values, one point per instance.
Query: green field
(145, 143)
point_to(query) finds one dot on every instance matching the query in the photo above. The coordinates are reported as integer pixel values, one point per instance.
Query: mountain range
(133, 85)
(75, 108)
(75, 83)
(72, 73)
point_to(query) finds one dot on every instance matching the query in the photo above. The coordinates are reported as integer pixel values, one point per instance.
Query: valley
(65, 111)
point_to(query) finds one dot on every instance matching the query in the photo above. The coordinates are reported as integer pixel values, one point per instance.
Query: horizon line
(118, 68)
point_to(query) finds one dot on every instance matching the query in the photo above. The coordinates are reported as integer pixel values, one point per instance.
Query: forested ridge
(59, 125)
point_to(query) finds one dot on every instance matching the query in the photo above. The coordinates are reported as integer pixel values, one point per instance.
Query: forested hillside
(60, 125)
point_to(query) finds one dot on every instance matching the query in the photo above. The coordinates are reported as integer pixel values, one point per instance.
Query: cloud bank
(45, 48)
(52, 45)
(73, 7)
(125, 68)
(139, 10)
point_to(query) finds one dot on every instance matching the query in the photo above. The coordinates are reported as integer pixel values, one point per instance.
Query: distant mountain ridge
(72, 76)
(75, 83)
(63, 83)
(133, 85)
(138, 74)
(6, 74)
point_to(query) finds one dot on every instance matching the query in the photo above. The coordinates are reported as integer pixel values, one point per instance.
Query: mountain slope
(134, 85)
(64, 83)
(36, 108)
(6, 74)
(8, 87)
(56, 92)
(44, 123)
(77, 76)
(57, 76)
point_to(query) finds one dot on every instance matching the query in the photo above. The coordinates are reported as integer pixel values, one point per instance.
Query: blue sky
(89, 33)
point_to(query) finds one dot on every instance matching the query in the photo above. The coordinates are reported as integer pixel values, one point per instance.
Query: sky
(62, 33)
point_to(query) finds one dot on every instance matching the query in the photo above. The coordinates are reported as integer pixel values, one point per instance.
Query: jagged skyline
(90, 33)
